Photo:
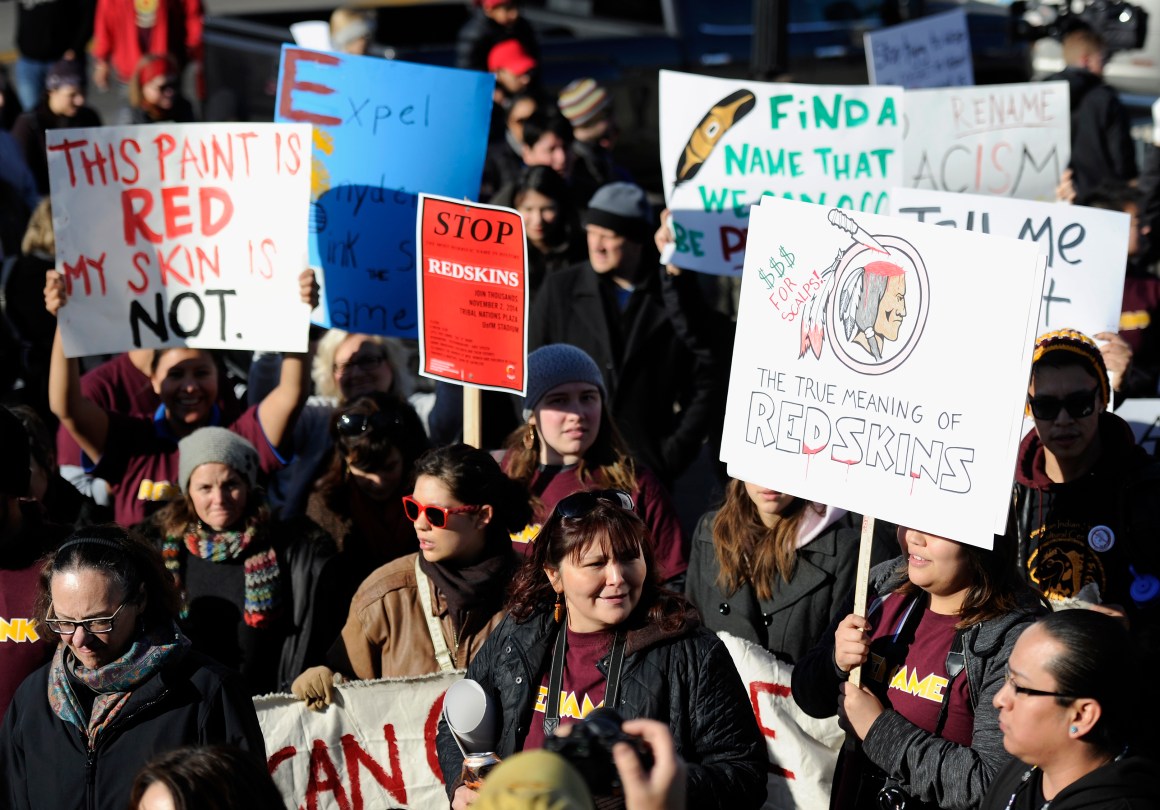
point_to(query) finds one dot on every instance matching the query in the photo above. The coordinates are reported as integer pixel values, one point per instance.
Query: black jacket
(29, 132)
(792, 622)
(45, 29)
(480, 34)
(686, 680)
(1102, 150)
(929, 768)
(647, 355)
(1128, 783)
(45, 763)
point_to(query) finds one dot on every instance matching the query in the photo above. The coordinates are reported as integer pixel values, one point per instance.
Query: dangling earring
(558, 610)
(530, 438)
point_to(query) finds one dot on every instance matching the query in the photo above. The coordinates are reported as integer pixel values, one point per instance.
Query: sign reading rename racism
(181, 235)
(384, 131)
(933, 51)
(473, 294)
(880, 365)
(725, 143)
(1086, 249)
(1007, 140)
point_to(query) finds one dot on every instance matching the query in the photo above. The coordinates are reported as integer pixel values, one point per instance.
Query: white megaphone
(470, 717)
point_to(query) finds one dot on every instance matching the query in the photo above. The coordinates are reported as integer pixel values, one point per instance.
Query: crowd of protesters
(202, 528)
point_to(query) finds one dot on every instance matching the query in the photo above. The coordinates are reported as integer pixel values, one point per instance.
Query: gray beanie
(556, 364)
(623, 208)
(216, 445)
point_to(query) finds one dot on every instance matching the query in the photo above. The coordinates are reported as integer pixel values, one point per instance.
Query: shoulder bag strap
(443, 655)
(556, 678)
(956, 663)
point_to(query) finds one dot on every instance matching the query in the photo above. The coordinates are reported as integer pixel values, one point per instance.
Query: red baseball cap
(511, 56)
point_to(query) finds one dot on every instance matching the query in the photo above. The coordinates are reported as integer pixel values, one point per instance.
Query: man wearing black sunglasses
(1087, 498)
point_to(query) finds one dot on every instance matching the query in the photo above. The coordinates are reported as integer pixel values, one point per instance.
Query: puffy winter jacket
(685, 679)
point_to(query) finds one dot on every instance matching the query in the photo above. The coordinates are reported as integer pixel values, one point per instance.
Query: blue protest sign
(383, 132)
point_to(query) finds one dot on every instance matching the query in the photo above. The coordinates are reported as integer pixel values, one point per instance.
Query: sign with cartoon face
(725, 143)
(881, 366)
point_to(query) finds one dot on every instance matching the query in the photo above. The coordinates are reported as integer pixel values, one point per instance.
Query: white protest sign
(727, 142)
(1007, 140)
(374, 747)
(881, 366)
(933, 51)
(181, 235)
(1086, 249)
(1143, 415)
(802, 749)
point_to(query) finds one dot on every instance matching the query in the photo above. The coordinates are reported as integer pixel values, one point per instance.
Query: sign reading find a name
(384, 130)
(181, 235)
(725, 143)
(1007, 140)
(1086, 249)
(473, 294)
(933, 51)
(880, 365)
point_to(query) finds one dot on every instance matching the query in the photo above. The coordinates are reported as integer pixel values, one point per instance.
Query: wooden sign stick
(473, 417)
(862, 582)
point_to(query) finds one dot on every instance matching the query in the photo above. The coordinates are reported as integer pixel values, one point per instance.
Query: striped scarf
(114, 682)
(263, 575)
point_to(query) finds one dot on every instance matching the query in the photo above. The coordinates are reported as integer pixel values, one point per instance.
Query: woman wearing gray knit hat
(234, 565)
(569, 443)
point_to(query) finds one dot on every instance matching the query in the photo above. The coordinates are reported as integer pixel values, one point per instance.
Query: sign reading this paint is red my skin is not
(473, 295)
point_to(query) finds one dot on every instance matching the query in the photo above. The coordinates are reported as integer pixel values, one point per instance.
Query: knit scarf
(263, 575)
(113, 683)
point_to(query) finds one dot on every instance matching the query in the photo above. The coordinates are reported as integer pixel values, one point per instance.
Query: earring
(1074, 729)
(558, 610)
(530, 438)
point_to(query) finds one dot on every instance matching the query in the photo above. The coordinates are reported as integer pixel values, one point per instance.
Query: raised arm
(87, 422)
(279, 409)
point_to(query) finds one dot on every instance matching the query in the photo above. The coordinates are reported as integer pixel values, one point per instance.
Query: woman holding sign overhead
(933, 650)
(139, 455)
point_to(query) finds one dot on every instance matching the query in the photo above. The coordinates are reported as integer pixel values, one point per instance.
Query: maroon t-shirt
(582, 687)
(912, 679)
(25, 643)
(118, 387)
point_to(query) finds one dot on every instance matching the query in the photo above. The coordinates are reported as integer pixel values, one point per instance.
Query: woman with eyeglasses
(933, 652)
(123, 684)
(1070, 713)
(256, 593)
(432, 611)
(590, 625)
(569, 443)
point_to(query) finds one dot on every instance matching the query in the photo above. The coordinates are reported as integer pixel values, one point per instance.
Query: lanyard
(556, 678)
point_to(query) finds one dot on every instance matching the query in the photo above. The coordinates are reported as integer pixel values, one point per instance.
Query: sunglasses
(352, 424)
(1077, 405)
(101, 624)
(581, 503)
(436, 515)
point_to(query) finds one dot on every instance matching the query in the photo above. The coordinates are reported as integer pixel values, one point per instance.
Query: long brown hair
(606, 463)
(623, 535)
(996, 586)
(748, 551)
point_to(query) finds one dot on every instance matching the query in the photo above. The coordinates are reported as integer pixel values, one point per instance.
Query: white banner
(881, 366)
(373, 748)
(1086, 249)
(181, 235)
(1007, 140)
(726, 142)
(933, 51)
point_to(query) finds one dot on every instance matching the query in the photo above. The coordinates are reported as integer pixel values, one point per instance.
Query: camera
(588, 747)
(1122, 26)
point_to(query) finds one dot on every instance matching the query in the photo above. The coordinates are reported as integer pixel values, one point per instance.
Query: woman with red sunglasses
(431, 611)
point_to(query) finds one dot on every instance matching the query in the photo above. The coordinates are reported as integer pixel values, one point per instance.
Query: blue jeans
(30, 75)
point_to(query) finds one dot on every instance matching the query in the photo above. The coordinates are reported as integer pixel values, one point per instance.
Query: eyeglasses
(102, 624)
(1025, 690)
(352, 424)
(581, 503)
(436, 515)
(1077, 405)
(365, 363)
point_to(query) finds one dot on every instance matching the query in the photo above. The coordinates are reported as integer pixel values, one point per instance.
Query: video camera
(1122, 26)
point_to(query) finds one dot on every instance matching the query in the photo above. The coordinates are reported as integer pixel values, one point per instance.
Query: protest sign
(181, 235)
(881, 365)
(384, 131)
(374, 747)
(726, 142)
(934, 51)
(802, 750)
(1008, 140)
(1143, 416)
(1086, 249)
(473, 294)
